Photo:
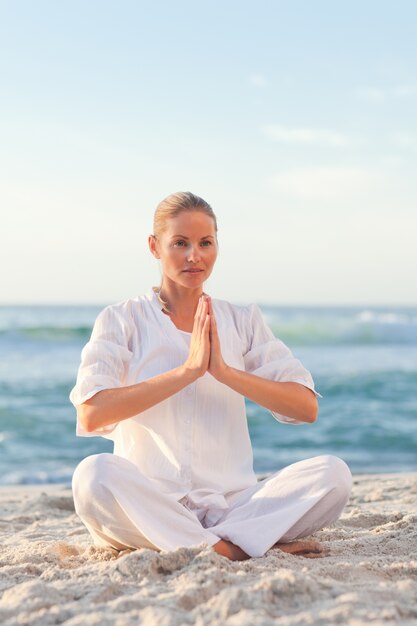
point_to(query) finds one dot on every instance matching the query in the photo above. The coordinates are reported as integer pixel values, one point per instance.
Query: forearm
(114, 405)
(286, 398)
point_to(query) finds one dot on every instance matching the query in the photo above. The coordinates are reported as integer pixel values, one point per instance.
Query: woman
(164, 376)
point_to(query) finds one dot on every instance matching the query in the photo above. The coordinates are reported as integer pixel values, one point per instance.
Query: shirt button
(189, 390)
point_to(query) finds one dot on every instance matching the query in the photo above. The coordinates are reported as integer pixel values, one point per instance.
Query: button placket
(187, 430)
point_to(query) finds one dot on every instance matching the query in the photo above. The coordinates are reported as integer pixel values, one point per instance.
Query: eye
(179, 243)
(206, 243)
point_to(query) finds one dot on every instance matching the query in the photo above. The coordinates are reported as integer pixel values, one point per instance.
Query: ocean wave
(46, 323)
(365, 327)
(294, 325)
(46, 333)
(33, 477)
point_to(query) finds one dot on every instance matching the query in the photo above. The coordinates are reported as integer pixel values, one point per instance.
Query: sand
(51, 574)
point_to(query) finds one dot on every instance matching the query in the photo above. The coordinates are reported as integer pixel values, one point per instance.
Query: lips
(193, 271)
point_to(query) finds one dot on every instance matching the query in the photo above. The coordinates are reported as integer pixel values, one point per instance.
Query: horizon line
(261, 303)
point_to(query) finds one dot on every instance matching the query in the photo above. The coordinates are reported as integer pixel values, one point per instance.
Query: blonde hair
(177, 203)
(170, 207)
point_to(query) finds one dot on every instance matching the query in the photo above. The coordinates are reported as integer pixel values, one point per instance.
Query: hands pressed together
(205, 352)
(113, 405)
(286, 398)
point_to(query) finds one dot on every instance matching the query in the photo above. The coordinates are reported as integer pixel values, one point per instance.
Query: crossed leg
(122, 508)
(282, 509)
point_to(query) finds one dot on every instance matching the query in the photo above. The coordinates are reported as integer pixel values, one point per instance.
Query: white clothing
(196, 443)
(121, 507)
(182, 471)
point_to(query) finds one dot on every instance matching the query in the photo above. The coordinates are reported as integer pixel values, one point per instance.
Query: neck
(179, 301)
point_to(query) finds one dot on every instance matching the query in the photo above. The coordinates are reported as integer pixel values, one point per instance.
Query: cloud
(323, 183)
(403, 91)
(404, 140)
(379, 94)
(371, 93)
(258, 80)
(392, 160)
(305, 136)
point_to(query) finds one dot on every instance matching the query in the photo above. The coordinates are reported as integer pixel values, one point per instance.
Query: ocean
(363, 361)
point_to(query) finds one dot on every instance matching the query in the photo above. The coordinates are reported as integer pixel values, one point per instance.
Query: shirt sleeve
(104, 362)
(270, 358)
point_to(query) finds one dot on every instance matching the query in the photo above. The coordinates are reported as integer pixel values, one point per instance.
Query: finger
(202, 317)
(206, 326)
(211, 310)
(204, 314)
(197, 315)
(214, 322)
(195, 326)
(213, 327)
(213, 333)
(210, 304)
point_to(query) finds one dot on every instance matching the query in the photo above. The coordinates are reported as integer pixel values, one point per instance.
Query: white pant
(121, 508)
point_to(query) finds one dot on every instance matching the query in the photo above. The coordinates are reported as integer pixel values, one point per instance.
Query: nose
(193, 255)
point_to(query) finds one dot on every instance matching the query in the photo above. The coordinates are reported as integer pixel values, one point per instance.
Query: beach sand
(51, 574)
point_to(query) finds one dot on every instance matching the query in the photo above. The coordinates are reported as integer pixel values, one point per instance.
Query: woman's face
(187, 248)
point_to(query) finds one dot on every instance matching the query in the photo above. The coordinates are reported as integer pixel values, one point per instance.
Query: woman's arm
(114, 405)
(111, 406)
(286, 398)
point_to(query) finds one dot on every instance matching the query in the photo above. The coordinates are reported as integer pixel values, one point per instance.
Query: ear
(153, 246)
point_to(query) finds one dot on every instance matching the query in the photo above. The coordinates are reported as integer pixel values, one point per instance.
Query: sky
(295, 120)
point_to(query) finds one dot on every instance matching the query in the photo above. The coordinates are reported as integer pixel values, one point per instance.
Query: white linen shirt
(195, 443)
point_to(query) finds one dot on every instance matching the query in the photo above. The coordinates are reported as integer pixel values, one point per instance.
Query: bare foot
(124, 552)
(230, 550)
(307, 549)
